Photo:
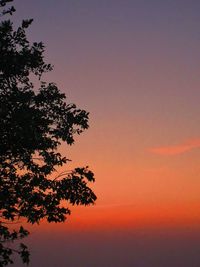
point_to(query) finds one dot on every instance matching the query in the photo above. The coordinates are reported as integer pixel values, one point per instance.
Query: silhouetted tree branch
(33, 122)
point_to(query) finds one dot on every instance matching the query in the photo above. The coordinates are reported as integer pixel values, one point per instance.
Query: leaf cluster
(8, 237)
(34, 123)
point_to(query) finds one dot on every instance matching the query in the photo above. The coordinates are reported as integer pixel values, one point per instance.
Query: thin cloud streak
(181, 148)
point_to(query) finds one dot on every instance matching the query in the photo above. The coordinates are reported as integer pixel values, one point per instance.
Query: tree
(33, 123)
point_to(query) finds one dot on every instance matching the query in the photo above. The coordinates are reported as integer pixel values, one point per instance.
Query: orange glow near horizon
(125, 218)
(144, 190)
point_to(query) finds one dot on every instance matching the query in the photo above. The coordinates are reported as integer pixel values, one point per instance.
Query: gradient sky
(134, 65)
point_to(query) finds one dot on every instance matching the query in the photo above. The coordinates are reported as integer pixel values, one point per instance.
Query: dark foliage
(33, 123)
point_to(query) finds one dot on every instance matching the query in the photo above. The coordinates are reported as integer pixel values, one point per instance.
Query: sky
(134, 65)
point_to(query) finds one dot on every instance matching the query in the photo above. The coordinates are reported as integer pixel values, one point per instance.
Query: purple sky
(141, 248)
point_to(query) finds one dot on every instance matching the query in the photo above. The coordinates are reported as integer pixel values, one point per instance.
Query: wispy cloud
(177, 149)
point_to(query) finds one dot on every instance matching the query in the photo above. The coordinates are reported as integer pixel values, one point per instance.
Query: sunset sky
(134, 65)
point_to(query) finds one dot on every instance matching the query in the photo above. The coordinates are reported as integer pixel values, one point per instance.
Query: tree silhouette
(33, 123)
